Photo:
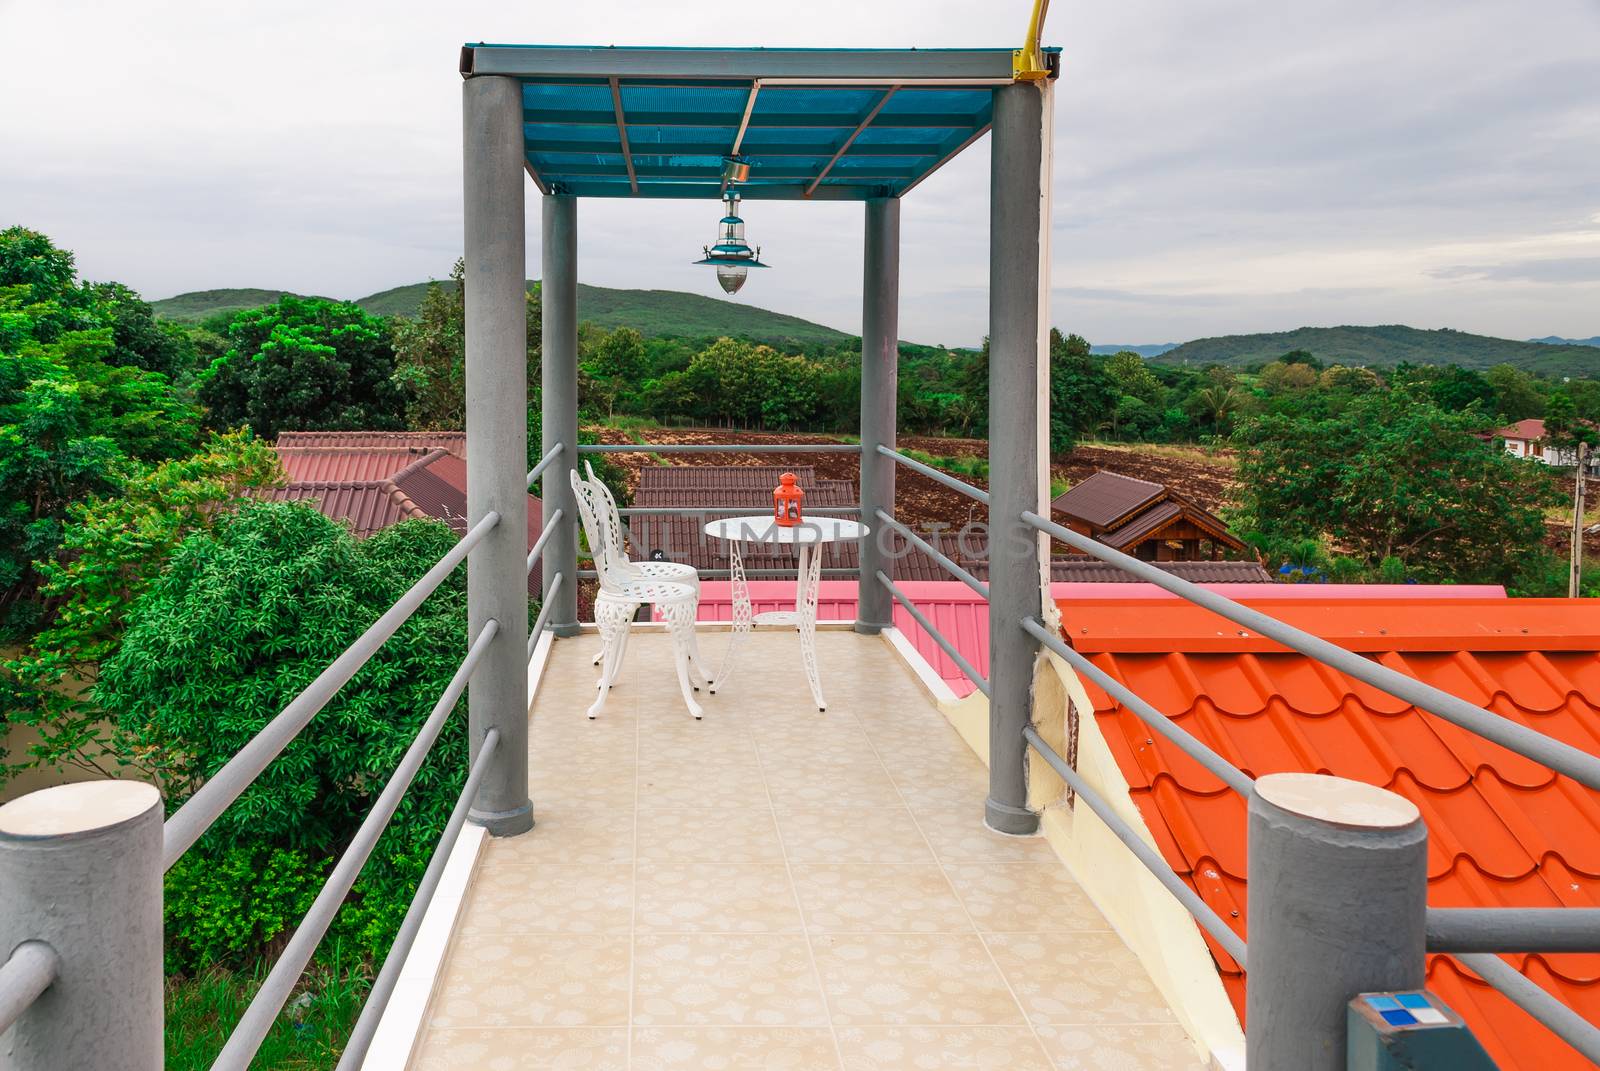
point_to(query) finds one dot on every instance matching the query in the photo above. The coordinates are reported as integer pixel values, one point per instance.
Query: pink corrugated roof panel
(962, 615)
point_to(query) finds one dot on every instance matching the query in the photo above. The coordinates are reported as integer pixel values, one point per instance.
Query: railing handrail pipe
(1513, 929)
(934, 474)
(550, 524)
(32, 967)
(695, 511)
(1516, 987)
(360, 1040)
(256, 1023)
(1202, 912)
(721, 448)
(545, 462)
(952, 567)
(544, 612)
(1184, 740)
(229, 783)
(949, 648)
(1530, 743)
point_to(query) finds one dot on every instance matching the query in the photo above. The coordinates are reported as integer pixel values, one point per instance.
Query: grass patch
(972, 467)
(309, 1035)
(1214, 455)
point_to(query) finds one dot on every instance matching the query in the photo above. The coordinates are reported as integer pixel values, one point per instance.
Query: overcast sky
(1220, 166)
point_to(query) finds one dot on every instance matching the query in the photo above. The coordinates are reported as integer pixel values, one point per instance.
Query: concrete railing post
(1338, 906)
(497, 441)
(880, 378)
(558, 292)
(80, 871)
(1019, 397)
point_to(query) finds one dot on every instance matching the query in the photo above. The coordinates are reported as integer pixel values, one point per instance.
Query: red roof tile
(453, 441)
(1503, 831)
(316, 465)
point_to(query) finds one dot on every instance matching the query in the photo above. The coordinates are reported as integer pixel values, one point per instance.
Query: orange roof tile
(1503, 831)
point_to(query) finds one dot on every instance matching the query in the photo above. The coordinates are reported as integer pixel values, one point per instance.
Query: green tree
(243, 618)
(1516, 394)
(76, 410)
(1350, 380)
(304, 364)
(112, 550)
(1394, 476)
(430, 358)
(615, 365)
(1130, 375)
(1082, 395)
(1279, 378)
(1457, 389)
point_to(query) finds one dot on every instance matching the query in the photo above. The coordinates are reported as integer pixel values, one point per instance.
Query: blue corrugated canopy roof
(824, 124)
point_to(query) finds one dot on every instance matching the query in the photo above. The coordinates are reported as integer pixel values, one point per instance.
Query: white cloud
(1219, 168)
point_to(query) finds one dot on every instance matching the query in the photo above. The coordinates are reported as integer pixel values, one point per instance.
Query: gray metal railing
(205, 806)
(1208, 919)
(31, 969)
(1579, 765)
(950, 565)
(1472, 935)
(355, 1050)
(978, 679)
(707, 511)
(544, 612)
(34, 966)
(934, 474)
(1515, 986)
(258, 1018)
(544, 463)
(535, 551)
(721, 448)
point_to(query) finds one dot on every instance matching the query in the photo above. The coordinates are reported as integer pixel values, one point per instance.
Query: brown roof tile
(453, 441)
(1106, 498)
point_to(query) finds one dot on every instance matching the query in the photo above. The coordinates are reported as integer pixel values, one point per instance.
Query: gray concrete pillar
(880, 388)
(80, 871)
(1019, 396)
(559, 342)
(1338, 906)
(497, 441)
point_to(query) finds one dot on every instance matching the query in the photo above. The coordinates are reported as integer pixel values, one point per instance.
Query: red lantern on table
(787, 501)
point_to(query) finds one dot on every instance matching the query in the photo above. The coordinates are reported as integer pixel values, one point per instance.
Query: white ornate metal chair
(622, 592)
(610, 521)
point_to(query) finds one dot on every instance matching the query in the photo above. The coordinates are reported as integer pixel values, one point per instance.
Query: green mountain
(1386, 346)
(655, 313)
(199, 304)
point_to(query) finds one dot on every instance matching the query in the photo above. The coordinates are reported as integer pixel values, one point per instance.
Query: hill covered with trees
(1384, 347)
(653, 313)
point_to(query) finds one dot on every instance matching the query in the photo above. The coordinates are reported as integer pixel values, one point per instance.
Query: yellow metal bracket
(1028, 63)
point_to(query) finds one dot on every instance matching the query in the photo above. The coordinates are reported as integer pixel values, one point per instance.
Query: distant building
(370, 480)
(1528, 438)
(1147, 520)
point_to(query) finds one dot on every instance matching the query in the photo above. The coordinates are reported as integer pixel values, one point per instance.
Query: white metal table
(804, 536)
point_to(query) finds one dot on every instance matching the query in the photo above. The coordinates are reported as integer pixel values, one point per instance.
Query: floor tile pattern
(776, 889)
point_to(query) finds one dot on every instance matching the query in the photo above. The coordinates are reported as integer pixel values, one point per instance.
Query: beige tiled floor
(777, 889)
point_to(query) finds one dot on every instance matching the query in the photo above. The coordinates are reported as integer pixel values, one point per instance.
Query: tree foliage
(84, 393)
(304, 364)
(245, 616)
(1394, 477)
(112, 550)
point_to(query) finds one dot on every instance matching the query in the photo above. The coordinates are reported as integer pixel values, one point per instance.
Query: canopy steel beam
(744, 64)
(813, 151)
(850, 139)
(768, 121)
(776, 191)
(622, 135)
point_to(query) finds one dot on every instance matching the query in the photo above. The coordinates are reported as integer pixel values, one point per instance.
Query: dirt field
(1204, 476)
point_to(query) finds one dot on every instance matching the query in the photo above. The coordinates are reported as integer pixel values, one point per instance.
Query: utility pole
(1575, 580)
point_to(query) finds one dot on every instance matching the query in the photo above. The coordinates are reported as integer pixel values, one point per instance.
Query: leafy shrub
(242, 620)
(223, 908)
